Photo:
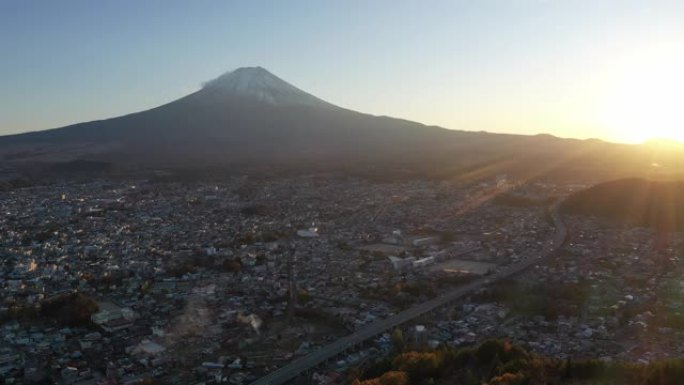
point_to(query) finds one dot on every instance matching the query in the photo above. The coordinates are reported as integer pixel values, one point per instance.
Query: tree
(398, 341)
(389, 378)
(70, 310)
(508, 379)
(418, 365)
(394, 378)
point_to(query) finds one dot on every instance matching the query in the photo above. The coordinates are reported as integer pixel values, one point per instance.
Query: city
(226, 282)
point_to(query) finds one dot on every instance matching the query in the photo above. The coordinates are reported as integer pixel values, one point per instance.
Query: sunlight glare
(646, 100)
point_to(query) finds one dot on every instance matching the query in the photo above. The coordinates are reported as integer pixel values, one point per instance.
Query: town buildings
(194, 281)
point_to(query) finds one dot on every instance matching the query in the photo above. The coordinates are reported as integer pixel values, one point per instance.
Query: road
(310, 361)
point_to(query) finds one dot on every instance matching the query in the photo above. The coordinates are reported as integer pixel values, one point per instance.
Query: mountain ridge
(250, 117)
(248, 113)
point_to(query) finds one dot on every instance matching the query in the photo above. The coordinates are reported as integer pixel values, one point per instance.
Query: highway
(310, 361)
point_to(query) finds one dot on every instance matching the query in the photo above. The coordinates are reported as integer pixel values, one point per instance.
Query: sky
(608, 69)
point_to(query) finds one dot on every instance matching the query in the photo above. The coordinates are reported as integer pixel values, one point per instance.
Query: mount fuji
(245, 116)
(251, 119)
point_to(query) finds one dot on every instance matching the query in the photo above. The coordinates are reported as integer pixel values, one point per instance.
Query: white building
(423, 262)
(401, 263)
(109, 311)
(308, 233)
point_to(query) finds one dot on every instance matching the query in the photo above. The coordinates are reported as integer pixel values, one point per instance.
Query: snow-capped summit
(257, 83)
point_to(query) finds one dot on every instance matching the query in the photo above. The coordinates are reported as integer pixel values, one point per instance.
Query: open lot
(462, 266)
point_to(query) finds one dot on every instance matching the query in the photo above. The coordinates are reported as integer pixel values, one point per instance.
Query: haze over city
(582, 69)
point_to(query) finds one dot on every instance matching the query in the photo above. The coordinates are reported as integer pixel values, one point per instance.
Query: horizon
(653, 140)
(606, 71)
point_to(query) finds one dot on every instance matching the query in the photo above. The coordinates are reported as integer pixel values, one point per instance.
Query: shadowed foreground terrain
(656, 204)
(497, 362)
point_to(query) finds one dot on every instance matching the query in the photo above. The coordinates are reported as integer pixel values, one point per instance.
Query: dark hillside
(641, 202)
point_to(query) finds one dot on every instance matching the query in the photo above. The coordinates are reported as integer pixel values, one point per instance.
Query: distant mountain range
(251, 118)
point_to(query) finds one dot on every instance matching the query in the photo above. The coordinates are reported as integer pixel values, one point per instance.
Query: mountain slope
(250, 117)
(246, 114)
(641, 202)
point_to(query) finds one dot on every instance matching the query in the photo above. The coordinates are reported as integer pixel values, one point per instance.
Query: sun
(647, 97)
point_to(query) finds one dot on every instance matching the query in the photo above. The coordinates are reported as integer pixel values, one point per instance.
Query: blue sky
(523, 66)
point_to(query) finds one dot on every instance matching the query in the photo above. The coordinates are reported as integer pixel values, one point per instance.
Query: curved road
(310, 361)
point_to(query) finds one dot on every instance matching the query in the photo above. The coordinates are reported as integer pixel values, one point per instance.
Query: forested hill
(641, 202)
(497, 362)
